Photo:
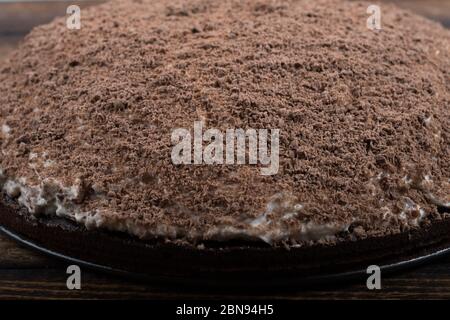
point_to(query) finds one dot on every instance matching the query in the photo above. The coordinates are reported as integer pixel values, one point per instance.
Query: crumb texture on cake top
(364, 119)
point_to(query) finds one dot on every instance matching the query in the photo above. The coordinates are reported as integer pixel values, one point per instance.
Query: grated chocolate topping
(364, 119)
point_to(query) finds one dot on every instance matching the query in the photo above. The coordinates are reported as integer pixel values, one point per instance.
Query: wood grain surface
(25, 274)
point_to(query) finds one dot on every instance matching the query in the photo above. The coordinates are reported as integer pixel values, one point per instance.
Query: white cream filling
(50, 197)
(411, 206)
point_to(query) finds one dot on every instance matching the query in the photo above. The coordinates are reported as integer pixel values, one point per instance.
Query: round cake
(361, 116)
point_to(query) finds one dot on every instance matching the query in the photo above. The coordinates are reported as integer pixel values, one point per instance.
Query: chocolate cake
(363, 116)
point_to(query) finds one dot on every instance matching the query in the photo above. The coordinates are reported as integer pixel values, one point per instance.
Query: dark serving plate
(307, 281)
(233, 266)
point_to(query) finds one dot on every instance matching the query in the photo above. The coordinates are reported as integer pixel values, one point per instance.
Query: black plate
(332, 278)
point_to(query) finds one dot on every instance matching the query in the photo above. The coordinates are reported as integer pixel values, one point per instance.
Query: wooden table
(25, 274)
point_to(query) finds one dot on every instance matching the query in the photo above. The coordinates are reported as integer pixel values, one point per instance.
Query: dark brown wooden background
(28, 275)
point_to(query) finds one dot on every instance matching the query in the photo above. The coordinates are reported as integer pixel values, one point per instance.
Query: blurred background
(17, 18)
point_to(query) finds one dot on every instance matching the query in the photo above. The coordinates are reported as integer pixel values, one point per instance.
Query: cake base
(222, 264)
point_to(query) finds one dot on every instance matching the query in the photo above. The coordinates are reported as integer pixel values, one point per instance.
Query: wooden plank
(439, 9)
(51, 283)
(21, 17)
(8, 44)
(13, 256)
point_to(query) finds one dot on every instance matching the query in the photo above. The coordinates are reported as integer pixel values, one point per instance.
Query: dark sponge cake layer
(364, 120)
